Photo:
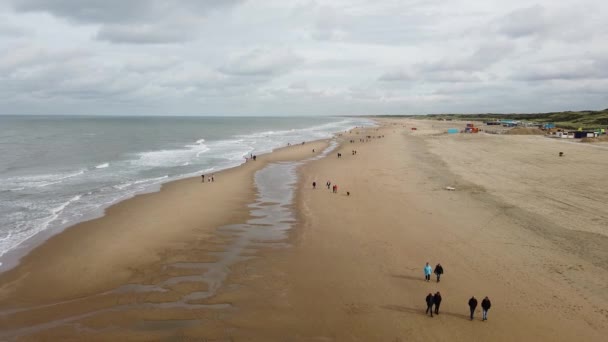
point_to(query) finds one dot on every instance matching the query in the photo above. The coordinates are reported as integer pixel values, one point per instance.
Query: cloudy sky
(282, 57)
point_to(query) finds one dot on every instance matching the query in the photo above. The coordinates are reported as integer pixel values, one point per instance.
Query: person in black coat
(438, 271)
(437, 302)
(472, 305)
(429, 304)
(485, 305)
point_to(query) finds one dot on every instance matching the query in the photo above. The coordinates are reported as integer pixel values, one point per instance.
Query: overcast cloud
(281, 57)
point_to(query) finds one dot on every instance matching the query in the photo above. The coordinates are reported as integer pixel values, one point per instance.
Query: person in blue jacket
(427, 272)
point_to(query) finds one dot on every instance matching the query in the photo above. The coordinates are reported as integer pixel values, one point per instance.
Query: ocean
(56, 171)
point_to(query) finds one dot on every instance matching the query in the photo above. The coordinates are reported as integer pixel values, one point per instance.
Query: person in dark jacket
(438, 271)
(472, 305)
(429, 304)
(437, 302)
(485, 306)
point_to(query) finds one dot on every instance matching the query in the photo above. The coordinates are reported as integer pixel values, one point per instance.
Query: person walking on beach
(429, 304)
(437, 302)
(314, 185)
(472, 306)
(485, 306)
(427, 272)
(328, 184)
(212, 178)
(203, 178)
(438, 271)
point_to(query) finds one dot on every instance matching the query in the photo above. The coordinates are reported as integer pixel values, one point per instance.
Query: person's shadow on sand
(420, 311)
(408, 277)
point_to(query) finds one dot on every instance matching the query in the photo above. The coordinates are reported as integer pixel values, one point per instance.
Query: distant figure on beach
(348, 193)
(427, 272)
(328, 184)
(212, 178)
(313, 150)
(437, 302)
(438, 271)
(472, 306)
(203, 178)
(485, 306)
(561, 154)
(255, 157)
(334, 189)
(429, 304)
(314, 185)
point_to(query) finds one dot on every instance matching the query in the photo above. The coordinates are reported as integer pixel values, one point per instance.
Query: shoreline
(38, 212)
(11, 258)
(117, 227)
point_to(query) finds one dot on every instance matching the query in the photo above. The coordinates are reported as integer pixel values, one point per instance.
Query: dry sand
(524, 227)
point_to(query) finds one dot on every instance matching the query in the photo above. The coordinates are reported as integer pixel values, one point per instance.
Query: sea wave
(37, 181)
(16, 237)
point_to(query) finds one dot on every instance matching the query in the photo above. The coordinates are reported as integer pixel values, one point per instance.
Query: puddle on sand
(271, 219)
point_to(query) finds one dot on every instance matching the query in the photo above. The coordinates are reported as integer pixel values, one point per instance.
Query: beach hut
(453, 130)
(582, 134)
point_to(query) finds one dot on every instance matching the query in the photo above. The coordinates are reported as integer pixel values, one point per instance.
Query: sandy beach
(524, 227)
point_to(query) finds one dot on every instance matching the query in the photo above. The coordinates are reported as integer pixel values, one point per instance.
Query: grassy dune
(587, 119)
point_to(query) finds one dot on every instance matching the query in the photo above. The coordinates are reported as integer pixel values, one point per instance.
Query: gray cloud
(262, 62)
(143, 34)
(133, 21)
(454, 68)
(563, 70)
(523, 22)
(118, 11)
(304, 57)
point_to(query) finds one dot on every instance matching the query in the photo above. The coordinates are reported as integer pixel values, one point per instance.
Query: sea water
(59, 170)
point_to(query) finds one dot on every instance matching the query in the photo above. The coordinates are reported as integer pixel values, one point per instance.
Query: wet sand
(524, 227)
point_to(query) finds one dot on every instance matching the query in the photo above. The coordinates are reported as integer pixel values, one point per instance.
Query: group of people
(428, 270)
(485, 306)
(209, 179)
(334, 188)
(434, 300)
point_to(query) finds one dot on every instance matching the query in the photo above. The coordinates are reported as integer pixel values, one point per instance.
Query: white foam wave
(141, 181)
(38, 181)
(102, 166)
(15, 239)
(168, 158)
(151, 180)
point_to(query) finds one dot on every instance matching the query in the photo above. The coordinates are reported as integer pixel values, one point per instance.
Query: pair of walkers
(485, 306)
(433, 300)
(428, 270)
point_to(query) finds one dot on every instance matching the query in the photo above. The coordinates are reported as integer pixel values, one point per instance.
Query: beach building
(509, 123)
(583, 134)
(548, 125)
